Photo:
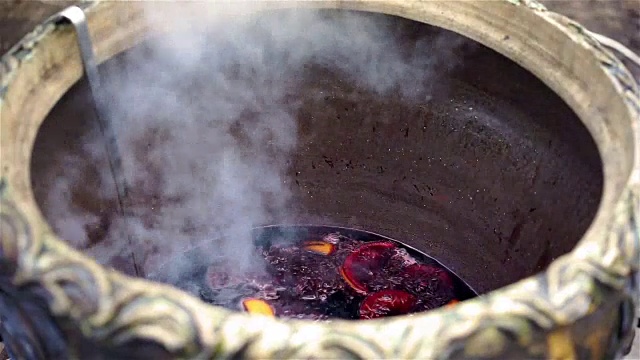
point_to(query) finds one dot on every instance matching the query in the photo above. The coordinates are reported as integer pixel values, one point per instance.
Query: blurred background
(617, 19)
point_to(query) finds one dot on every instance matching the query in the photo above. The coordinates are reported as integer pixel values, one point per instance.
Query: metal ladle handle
(78, 19)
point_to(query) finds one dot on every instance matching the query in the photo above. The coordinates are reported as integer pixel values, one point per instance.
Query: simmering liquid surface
(322, 274)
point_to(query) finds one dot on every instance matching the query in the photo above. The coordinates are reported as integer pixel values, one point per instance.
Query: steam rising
(206, 122)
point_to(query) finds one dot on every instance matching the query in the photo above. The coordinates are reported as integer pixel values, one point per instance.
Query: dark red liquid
(316, 273)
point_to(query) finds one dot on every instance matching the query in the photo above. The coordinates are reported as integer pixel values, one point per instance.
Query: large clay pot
(56, 302)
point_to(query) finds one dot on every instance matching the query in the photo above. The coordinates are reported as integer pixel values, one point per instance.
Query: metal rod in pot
(78, 19)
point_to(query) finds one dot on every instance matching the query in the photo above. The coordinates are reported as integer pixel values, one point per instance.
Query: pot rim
(606, 256)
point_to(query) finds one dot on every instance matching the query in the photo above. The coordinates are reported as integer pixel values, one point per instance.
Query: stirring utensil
(78, 19)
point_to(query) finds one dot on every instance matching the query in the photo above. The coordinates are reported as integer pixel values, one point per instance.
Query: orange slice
(452, 303)
(363, 261)
(360, 289)
(257, 306)
(319, 247)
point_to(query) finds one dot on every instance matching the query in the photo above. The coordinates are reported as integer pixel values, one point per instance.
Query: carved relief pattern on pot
(22, 332)
(113, 311)
(13, 231)
(610, 62)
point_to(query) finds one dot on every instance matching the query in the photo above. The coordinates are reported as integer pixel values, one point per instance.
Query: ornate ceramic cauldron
(57, 303)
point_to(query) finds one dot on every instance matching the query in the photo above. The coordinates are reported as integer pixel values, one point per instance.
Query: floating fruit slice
(360, 289)
(257, 306)
(360, 266)
(387, 303)
(452, 303)
(319, 247)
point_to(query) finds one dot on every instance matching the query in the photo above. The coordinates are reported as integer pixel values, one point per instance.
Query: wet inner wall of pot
(491, 173)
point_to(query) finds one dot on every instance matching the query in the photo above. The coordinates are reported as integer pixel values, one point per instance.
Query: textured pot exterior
(582, 306)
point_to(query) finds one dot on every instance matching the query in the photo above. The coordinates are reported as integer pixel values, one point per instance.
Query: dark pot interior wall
(494, 175)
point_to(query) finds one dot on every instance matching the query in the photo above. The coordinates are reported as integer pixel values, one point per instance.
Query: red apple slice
(360, 266)
(387, 303)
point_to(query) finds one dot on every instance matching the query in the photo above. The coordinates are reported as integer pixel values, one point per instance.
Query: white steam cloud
(206, 123)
